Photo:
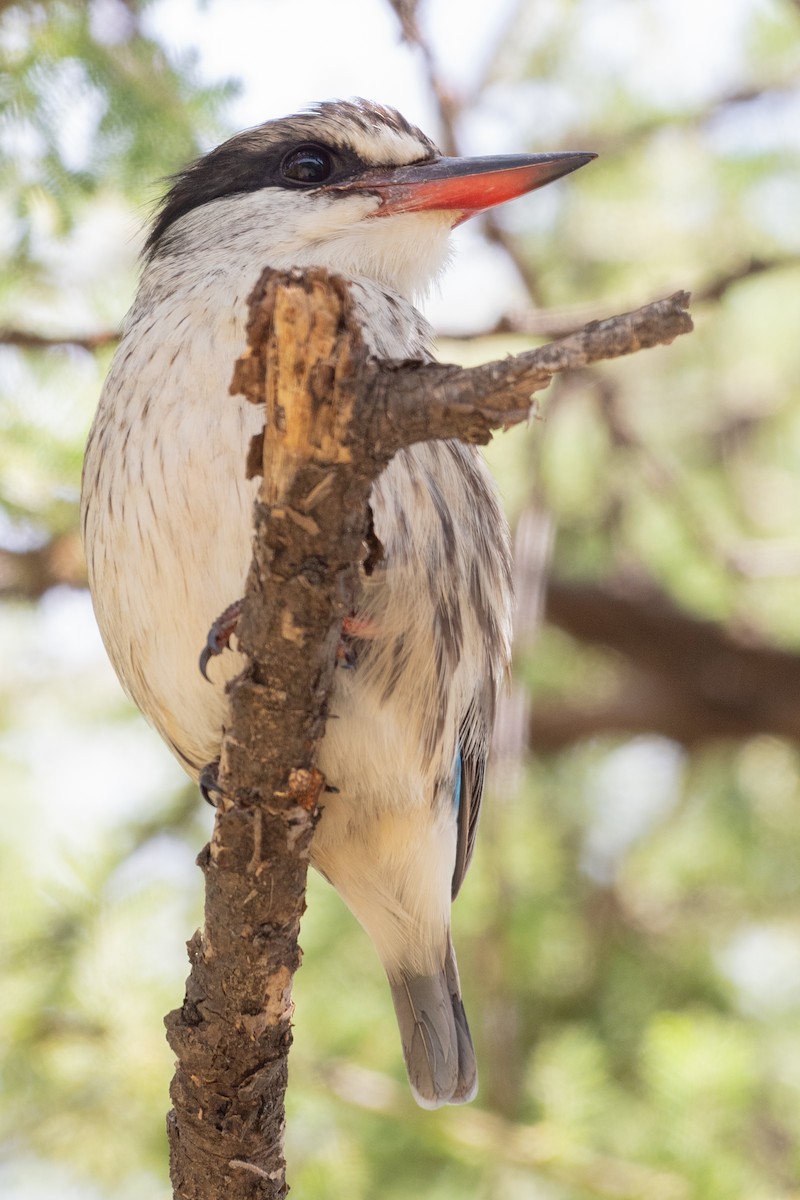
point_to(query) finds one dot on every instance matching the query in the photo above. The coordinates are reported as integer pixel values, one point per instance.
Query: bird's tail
(437, 1046)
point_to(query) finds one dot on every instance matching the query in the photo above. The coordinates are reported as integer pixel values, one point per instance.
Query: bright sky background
(355, 49)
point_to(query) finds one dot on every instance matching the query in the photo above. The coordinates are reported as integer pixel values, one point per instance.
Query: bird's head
(347, 185)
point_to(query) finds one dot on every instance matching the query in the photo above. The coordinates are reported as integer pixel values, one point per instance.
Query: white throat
(241, 234)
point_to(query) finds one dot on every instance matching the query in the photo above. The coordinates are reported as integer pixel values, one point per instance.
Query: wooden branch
(334, 418)
(544, 322)
(686, 679)
(471, 404)
(28, 574)
(26, 340)
(715, 289)
(233, 1032)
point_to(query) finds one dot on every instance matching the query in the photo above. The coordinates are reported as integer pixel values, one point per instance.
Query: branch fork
(334, 418)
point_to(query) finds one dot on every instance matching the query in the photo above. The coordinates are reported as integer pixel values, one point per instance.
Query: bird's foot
(209, 783)
(354, 630)
(220, 634)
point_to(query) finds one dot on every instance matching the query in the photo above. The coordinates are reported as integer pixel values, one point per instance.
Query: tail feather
(437, 1046)
(467, 1084)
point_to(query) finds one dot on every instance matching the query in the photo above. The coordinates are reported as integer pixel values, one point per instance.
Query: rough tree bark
(333, 420)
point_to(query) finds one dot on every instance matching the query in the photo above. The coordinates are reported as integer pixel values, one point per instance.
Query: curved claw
(219, 635)
(209, 652)
(209, 782)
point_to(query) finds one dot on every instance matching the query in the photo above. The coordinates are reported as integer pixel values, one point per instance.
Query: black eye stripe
(243, 165)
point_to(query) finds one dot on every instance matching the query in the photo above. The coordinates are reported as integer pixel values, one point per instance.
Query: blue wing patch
(457, 776)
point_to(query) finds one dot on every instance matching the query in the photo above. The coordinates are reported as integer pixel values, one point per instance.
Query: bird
(353, 187)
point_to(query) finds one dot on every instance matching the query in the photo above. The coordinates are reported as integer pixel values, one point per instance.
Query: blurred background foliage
(629, 938)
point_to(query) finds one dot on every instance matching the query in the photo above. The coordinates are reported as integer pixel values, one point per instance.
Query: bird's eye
(308, 165)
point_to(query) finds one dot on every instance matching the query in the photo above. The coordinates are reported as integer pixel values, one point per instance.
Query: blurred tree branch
(450, 109)
(27, 340)
(28, 574)
(542, 1147)
(560, 322)
(686, 679)
(617, 143)
(761, 683)
(715, 288)
(535, 322)
(446, 101)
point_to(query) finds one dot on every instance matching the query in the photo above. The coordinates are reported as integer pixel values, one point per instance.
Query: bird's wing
(473, 751)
